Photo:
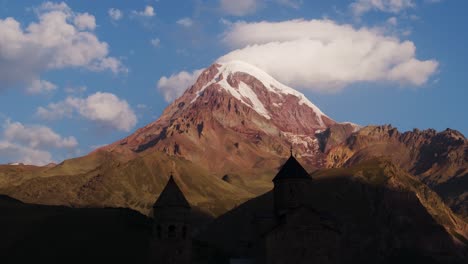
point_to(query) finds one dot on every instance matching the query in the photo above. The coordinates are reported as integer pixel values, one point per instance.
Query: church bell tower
(289, 186)
(171, 241)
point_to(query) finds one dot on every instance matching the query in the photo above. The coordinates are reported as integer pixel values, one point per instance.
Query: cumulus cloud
(85, 21)
(36, 136)
(185, 22)
(324, 56)
(104, 109)
(173, 86)
(147, 12)
(10, 152)
(31, 144)
(115, 14)
(59, 39)
(108, 63)
(51, 6)
(360, 7)
(239, 7)
(40, 86)
(59, 110)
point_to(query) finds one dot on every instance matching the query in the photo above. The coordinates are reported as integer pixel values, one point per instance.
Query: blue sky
(75, 75)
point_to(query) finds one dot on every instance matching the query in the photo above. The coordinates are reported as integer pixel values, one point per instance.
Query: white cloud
(31, 144)
(58, 110)
(174, 85)
(17, 153)
(51, 6)
(147, 12)
(239, 7)
(40, 86)
(324, 56)
(108, 63)
(156, 42)
(85, 21)
(115, 14)
(108, 109)
(104, 109)
(412, 71)
(185, 22)
(57, 40)
(36, 136)
(359, 7)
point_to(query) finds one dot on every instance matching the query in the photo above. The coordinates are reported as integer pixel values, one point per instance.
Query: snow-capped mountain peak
(245, 93)
(230, 103)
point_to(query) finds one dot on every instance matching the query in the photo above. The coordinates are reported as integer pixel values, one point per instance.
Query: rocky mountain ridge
(439, 159)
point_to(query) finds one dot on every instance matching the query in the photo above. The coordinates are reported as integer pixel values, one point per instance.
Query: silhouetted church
(290, 186)
(296, 233)
(293, 233)
(171, 241)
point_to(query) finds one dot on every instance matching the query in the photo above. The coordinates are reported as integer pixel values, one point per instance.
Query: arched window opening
(172, 231)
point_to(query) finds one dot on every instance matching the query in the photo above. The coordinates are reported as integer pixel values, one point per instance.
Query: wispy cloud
(115, 14)
(40, 86)
(185, 22)
(392, 21)
(360, 7)
(147, 12)
(156, 42)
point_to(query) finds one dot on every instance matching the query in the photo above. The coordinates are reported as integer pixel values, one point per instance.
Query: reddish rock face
(439, 159)
(236, 110)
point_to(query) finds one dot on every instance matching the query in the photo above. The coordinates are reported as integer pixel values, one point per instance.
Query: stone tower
(289, 186)
(171, 240)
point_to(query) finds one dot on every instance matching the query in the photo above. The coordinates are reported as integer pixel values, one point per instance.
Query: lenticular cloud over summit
(322, 55)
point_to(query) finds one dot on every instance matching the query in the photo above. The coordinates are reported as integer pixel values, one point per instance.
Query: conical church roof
(291, 169)
(171, 196)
